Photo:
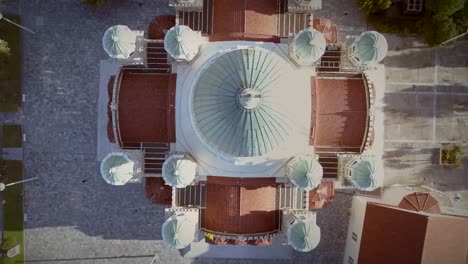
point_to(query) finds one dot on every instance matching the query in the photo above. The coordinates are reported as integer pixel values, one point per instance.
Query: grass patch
(10, 66)
(12, 136)
(13, 207)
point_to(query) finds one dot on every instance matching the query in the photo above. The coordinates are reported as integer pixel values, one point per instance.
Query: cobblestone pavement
(72, 216)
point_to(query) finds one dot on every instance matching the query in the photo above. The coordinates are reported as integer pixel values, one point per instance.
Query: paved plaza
(73, 216)
(426, 105)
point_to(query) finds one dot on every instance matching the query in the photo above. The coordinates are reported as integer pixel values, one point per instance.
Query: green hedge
(10, 66)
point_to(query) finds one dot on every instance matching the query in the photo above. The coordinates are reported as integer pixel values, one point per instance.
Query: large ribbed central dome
(239, 103)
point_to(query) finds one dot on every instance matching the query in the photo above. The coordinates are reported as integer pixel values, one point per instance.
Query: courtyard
(73, 216)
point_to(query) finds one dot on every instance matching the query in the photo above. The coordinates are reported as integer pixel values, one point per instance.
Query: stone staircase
(198, 20)
(290, 22)
(154, 156)
(291, 198)
(156, 57)
(191, 196)
(331, 60)
(329, 162)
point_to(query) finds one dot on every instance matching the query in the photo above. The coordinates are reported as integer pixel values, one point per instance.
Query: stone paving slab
(452, 118)
(408, 116)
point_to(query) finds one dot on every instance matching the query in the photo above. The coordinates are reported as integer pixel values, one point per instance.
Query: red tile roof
(159, 25)
(328, 28)
(110, 129)
(321, 196)
(241, 205)
(245, 20)
(340, 112)
(392, 235)
(146, 107)
(157, 191)
(418, 201)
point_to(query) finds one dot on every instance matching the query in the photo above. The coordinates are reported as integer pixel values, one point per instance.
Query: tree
(460, 18)
(372, 6)
(94, 2)
(6, 260)
(445, 8)
(4, 49)
(8, 243)
(3, 171)
(436, 31)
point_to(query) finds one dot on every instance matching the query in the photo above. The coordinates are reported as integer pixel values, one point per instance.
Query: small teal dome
(303, 235)
(308, 46)
(178, 232)
(181, 43)
(117, 168)
(179, 171)
(363, 175)
(370, 47)
(305, 173)
(119, 41)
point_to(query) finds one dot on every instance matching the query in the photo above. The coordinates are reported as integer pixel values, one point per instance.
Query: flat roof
(340, 110)
(393, 235)
(146, 107)
(241, 205)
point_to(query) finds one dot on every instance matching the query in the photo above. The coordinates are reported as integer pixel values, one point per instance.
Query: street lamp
(18, 25)
(3, 186)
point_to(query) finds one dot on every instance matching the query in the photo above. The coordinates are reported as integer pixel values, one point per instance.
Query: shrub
(394, 25)
(6, 260)
(3, 171)
(94, 2)
(452, 156)
(444, 8)
(373, 6)
(460, 18)
(8, 243)
(437, 31)
(4, 49)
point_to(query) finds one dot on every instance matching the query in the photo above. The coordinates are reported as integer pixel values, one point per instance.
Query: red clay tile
(146, 107)
(159, 25)
(328, 28)
(245, 20)
(241, 205)
(341, 112)
(157, 191)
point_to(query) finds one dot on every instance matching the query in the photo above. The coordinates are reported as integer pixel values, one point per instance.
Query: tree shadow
(408, 103)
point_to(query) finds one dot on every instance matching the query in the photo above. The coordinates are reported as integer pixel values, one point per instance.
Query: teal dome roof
(181, 42)
(238, 102)
(119, 41)
(363, 175)
(117, 168)
(303, 235)
(305, 173)
(308, 46)
(179, 171)
(370, 47)
(178, 232)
